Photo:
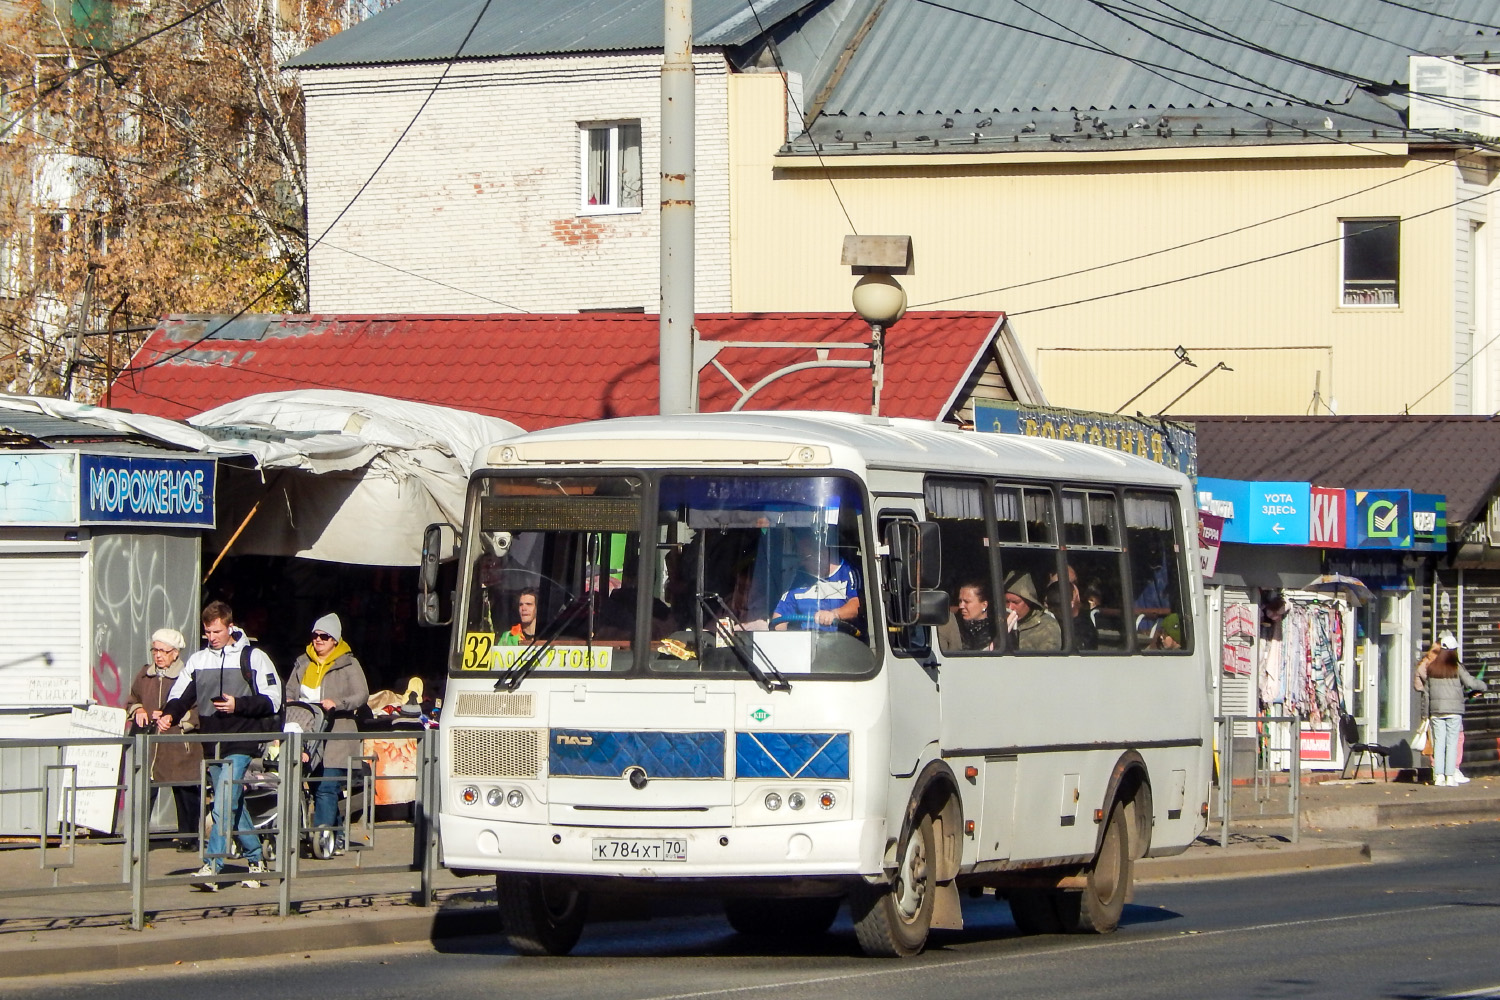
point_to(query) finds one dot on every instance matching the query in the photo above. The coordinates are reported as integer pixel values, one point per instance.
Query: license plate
(668, 849)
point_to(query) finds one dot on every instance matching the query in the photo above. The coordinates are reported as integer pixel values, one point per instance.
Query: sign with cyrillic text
(129, 490)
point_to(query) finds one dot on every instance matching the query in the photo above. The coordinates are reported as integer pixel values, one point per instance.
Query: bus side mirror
(932, 607)
(929, 555)
(914, 568)
(439, 542)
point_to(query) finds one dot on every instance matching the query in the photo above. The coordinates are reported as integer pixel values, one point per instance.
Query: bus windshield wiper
(766, 674)
(527, 662)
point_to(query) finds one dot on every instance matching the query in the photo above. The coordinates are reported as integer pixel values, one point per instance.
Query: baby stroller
(309, 718)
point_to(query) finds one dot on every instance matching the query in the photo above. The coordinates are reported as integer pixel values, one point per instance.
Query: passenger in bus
(1030, 627)
(976, 629)
(523, 633)
(1085, 633)
(824, 594)
(1169, 635)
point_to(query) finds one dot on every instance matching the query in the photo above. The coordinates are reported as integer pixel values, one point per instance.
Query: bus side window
(1027, 532)
(1155, 556)
(956, 506)
(1095, 593)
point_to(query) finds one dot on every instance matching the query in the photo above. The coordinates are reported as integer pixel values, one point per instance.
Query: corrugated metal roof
(539, 370)
(434, 30)
(981, 56)
(48, 430)
(1452, 455)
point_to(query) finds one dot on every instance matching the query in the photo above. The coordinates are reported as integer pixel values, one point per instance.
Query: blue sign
(1429, 522)
(119, 490)
(1164, 442)
(1259, 513)
(1380, 519)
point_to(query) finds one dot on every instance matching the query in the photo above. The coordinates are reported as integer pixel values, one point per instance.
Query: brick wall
(477, 210)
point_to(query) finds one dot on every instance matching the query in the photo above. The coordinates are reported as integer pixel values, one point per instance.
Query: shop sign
(1376, 570)
(1316, 744)
(114, 489)
(1379, 519)
(1162, 441)
(1429, 522)
(1210, 531)
(1265, 513)
(1327, 524)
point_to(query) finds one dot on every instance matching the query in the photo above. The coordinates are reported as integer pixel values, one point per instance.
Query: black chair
(1357, 752)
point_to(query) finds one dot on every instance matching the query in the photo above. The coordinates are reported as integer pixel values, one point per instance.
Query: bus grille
(497, 753)
(495, 705)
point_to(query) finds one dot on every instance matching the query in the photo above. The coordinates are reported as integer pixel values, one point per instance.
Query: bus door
(911, 677)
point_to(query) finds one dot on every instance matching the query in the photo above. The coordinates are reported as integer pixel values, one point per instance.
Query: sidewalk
(77, 931)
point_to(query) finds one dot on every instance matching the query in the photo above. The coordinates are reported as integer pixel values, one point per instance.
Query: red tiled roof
(541, 370)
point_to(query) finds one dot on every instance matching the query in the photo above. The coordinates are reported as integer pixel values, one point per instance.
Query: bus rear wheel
(892, 921)
(538, 917)
(782, 917)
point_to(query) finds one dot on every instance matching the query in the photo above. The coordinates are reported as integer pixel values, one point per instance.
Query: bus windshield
(760, 575)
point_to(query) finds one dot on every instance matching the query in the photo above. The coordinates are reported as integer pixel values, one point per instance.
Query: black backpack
(248, 672)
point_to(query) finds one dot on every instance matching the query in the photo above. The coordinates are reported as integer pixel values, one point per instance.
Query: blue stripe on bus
(820, 756)
(594, 753)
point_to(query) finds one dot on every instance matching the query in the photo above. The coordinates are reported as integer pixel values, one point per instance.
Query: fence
(103, 785)
(1265, 761)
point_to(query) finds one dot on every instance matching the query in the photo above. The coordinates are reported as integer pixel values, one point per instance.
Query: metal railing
(1265, 763)
(59, 794)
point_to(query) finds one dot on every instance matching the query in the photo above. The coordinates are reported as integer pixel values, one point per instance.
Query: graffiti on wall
(142, 582)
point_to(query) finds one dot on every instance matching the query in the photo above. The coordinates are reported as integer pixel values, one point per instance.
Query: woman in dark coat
(170, 761)
(327, 674)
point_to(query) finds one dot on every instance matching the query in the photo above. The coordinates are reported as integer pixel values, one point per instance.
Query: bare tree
(152, 161)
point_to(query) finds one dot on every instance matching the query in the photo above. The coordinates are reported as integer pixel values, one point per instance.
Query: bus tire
(892, 921)
(1103, 898)
(536, 916)
(797, 917)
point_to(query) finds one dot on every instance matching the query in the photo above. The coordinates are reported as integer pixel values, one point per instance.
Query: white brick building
(474, 197)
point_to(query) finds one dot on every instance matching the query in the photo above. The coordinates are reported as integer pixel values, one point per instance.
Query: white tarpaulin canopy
(350, 477)
(342, 476)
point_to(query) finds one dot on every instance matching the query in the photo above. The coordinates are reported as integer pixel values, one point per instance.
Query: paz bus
(802, 660)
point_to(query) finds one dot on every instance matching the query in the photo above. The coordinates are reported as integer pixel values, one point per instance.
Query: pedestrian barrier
(1271, 758)
(77, 804)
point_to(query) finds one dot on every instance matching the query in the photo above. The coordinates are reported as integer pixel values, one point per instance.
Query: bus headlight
(796, 800)
(773, 801)
(515, 799)
(469, 795)
(494, 797)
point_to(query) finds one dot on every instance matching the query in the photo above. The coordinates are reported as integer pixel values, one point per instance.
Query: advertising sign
(1210, 532)
(1379, 519)
(1327, 524)
(1166, 443)
(1317, 744)
(40, 489)
(114, 489)
(1429, 522)
(1262, 513)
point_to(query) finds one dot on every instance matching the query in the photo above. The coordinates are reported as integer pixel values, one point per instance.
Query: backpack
(248, 672)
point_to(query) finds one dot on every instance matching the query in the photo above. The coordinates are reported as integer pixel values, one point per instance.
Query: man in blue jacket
(238, 694)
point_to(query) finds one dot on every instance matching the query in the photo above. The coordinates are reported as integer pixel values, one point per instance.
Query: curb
(1396, 814)
(253, 938)
(1260, 860)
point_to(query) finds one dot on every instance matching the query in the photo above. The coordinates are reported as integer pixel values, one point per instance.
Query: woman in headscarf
(171, 761)
(327, 674)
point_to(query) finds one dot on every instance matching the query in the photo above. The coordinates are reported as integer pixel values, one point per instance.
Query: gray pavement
(80, 927)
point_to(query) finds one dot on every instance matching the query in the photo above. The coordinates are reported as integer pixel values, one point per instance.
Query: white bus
(771, 657)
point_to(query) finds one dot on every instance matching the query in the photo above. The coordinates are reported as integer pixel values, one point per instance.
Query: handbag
(1422, 738)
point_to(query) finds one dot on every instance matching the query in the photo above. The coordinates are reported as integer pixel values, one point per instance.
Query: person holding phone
(237, 692)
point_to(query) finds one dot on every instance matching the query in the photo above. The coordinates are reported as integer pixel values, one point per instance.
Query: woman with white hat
(170, 761)
(1444, 679)
(327, 674)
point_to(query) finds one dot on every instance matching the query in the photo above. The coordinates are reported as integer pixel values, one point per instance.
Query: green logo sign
(1382, 521)
(760, 715)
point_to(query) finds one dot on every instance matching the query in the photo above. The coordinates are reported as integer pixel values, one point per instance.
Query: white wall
(477, 209)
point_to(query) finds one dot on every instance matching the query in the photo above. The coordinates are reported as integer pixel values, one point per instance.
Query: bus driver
(823, 592)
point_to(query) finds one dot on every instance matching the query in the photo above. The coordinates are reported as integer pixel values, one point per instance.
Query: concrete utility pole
(678, 393)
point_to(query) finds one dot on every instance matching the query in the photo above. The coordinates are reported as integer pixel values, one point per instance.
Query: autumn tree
(152, 161)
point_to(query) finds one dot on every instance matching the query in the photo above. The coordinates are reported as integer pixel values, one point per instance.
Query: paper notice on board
(98, 768)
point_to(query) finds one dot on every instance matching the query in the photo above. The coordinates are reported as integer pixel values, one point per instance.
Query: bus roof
(854, 441)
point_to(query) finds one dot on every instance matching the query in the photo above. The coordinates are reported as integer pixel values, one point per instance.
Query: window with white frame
(1370, 255)
(611, 161)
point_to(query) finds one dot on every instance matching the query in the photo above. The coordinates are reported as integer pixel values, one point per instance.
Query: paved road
(1423, 922)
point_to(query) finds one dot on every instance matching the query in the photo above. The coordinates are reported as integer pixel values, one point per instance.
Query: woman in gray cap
(327, 674)
(170, 761)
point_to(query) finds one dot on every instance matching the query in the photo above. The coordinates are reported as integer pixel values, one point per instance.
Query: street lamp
(878, 297)
(880, 301)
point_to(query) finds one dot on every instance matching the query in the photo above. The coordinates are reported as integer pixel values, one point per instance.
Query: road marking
(906, 970)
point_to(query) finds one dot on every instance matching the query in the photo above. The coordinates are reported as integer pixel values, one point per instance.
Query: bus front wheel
(1103, 897)
(538, 917)
(892, 921)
